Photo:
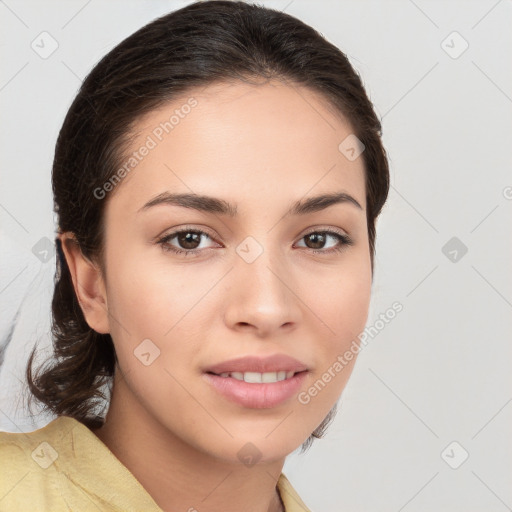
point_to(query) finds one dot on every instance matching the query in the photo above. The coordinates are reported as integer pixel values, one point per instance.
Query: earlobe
(88, 284)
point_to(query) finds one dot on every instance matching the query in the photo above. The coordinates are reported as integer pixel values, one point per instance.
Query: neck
(177, 475)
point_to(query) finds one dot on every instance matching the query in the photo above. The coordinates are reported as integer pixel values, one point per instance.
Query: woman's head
(251, 107)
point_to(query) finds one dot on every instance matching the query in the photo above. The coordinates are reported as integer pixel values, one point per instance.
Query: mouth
(257, 377)
(257, 383)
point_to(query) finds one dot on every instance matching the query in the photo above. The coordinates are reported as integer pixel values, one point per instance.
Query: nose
(263, 296)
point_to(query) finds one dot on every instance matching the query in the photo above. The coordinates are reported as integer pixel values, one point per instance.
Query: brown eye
(186, 241)
(317, 240)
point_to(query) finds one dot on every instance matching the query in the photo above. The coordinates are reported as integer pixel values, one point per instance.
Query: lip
(275, 363)
(257, 395)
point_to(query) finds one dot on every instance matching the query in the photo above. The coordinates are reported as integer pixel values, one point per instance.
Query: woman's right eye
(189, 241)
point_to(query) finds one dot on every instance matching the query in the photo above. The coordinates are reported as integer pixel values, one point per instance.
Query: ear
(88, 284)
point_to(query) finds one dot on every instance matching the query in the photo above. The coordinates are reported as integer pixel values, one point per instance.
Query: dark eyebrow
(317, 203)
(194, 201)
(213, 205)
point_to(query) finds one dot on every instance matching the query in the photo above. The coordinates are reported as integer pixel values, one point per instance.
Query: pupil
(189, 238)
(320, 239)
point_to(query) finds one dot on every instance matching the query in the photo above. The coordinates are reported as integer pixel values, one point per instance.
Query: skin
(261, 147)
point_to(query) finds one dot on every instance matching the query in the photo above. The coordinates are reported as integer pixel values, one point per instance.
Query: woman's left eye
(321, 237)
(190, 241)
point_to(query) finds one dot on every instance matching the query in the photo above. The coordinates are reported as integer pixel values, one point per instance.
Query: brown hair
(200, 44)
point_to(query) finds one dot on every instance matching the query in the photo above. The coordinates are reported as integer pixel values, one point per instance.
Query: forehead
(240, 141)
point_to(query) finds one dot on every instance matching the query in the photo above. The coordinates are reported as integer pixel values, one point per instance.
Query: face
(255, 271)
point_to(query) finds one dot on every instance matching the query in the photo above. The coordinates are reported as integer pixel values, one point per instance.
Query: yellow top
(64, 466)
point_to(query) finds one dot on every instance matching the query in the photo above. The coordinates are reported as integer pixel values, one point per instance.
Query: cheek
(341, 304)
(351, 310)
(140, 302)
(341, 299)
(158, 301)
(147, 295)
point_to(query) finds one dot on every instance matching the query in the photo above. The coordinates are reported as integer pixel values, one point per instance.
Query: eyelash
(341, 237)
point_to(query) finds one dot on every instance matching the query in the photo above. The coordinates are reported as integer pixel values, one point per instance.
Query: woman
(217, 181)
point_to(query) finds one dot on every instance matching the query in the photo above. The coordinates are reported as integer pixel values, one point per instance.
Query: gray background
(440, 371)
